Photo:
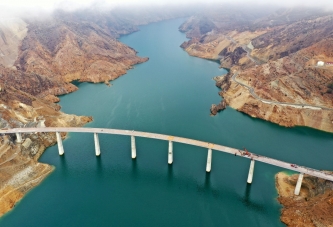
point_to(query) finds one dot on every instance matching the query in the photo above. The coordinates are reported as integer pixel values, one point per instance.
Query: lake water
(169, 94)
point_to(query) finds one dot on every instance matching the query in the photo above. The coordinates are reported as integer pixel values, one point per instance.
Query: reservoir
(170, 94)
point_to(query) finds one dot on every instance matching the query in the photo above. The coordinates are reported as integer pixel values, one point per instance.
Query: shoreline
(15, 195)
(27, 172)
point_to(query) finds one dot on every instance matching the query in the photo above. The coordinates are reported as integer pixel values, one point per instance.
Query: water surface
(169, 94)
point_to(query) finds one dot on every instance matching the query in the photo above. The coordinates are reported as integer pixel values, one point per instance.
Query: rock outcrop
(214, 109)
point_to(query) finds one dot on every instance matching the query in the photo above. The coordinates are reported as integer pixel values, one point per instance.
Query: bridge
(210, 146)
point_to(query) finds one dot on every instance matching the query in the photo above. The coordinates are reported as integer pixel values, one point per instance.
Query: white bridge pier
(245, 154)
(209, 161)
(133, 147)
(250, 176)
(60, 146)
(97, 147)
(170, 153)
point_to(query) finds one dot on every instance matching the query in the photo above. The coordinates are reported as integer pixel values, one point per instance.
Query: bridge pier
(299, 184)
(18, 137)
(60, 146)
(170, 154)
(97, 147)
(209, 161)
(251, 170)
(133, 147)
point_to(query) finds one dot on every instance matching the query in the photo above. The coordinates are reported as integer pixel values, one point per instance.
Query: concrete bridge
(245, 154)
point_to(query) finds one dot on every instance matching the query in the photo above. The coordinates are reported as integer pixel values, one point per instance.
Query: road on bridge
(233, 151)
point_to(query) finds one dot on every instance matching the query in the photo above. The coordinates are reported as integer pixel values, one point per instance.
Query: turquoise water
(169, 94)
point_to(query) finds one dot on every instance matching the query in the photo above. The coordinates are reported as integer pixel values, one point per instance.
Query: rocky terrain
(312, 208)
(274, 58)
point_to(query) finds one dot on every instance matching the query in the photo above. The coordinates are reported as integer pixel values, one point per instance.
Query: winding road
(251, 89)
(295, 105)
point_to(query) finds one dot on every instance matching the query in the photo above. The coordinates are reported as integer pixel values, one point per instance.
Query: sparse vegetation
(330, 85)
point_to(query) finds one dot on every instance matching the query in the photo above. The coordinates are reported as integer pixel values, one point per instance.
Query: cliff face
(312, 208)
(274, 63)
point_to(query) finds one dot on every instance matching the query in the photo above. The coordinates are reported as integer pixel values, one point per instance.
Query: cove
(169, 94)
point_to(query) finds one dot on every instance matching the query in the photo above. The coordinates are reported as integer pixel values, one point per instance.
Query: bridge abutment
(209, 161)
(60, 146)
(251, 170)
(170, 153)
(97, 147)
(299, 184)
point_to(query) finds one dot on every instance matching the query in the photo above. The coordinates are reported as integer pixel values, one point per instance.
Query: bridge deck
(233, 151)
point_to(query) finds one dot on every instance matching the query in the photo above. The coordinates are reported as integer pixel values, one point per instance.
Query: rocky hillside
(39, 58)
(70, 51)
(274, 58)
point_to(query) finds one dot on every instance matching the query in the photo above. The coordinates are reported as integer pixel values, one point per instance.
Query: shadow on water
(63, 164)
(246, 200)
(134, 168)
(170, 174)
(99, 165)
(205, 186)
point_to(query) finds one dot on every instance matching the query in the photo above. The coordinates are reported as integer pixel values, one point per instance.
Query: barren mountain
(275, 64)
